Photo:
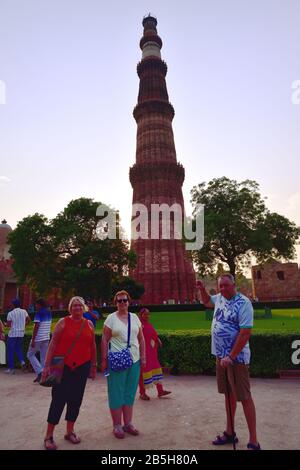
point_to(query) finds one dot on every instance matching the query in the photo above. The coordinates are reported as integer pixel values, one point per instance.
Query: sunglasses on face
(122, 300)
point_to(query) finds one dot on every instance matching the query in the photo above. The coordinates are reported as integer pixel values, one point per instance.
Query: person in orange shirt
(79, 364)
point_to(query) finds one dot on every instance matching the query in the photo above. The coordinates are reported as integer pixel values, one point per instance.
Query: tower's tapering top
(149, 21)
(150, 42)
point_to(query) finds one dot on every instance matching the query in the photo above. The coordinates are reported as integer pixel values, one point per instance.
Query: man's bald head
(226, 285)
(229, 276)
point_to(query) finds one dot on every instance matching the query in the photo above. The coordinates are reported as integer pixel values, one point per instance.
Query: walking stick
(229, 406)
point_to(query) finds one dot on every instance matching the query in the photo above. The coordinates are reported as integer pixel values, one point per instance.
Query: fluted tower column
(163, 266)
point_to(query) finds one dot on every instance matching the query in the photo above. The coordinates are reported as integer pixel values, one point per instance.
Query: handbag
(58, 363)
(121, 360)
(56, 372)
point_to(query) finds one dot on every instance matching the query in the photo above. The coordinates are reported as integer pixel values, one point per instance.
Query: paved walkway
(188, 419)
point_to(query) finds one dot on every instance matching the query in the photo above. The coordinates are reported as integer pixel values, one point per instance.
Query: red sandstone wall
(270, 287)
(163, 266)
(10, 293)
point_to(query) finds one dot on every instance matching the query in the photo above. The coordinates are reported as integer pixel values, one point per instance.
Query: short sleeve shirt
(119, 331)
(88, 316)
(18, 320)
(230, 316)
(44, 318)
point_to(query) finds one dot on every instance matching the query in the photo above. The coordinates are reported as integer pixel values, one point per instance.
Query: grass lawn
(283, 320)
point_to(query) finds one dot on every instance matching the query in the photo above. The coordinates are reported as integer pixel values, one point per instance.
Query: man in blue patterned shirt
(230, 332)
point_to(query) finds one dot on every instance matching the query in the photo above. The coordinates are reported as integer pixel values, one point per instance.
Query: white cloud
(293, 207)
(289, 206)
(292, 211)
(4, 180)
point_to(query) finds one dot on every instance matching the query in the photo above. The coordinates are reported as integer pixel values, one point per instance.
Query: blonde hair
(79, 299)
(121, 292)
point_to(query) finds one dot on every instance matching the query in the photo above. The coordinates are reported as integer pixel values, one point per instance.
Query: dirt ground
(187, 419)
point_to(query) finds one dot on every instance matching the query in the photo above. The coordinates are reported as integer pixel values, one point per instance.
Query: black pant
(70, 391)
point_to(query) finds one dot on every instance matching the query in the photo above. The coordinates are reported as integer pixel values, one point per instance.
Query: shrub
(188, 352)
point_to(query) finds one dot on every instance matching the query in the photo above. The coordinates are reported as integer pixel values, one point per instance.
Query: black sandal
(253, 446)
(225, 439)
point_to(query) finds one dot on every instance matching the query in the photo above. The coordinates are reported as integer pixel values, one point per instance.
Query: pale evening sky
(69, 72)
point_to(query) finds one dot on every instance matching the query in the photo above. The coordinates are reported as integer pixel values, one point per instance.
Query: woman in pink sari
(151, 373)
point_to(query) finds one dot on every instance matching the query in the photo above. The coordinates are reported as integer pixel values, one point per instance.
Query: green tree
(67, 252)
(238, 226)
(134, 289)
(33, 253)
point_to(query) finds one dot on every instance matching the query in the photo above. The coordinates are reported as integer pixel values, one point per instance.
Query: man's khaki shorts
(238, 378)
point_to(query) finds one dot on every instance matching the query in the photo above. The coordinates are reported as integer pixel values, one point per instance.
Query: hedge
(188, 352)
(187, 307)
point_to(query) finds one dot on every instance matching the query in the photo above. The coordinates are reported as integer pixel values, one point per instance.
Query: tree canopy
(67, 253)
(134, 289)
(238, 226)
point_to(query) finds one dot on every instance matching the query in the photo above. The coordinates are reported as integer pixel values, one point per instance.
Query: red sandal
(144, 397)
(131, 429)
(71, 436)
(52, 445)
(118, 432)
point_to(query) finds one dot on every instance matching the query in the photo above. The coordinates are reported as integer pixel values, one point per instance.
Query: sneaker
(38, 378)
(10, 371)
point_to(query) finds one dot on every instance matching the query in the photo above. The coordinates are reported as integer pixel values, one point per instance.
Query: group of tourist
(129, 358)
(81, 362)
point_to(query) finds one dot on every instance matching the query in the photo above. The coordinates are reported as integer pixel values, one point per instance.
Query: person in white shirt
(122, 329)
(40, 338)
(2, 344)
(17, 320)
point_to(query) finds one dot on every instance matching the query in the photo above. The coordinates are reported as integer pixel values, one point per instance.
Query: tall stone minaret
(163, 265)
